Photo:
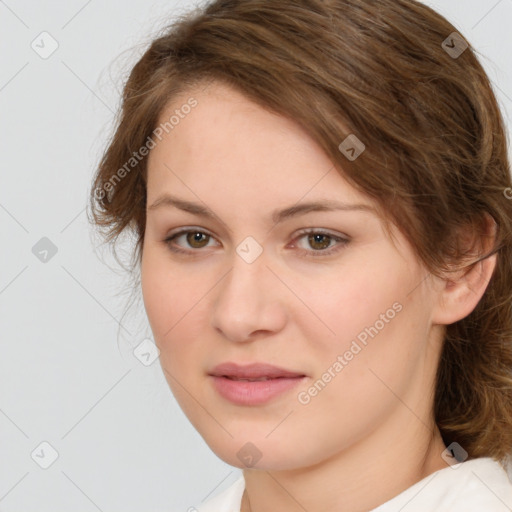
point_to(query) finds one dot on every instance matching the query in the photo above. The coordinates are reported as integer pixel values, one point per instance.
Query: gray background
(66, 378)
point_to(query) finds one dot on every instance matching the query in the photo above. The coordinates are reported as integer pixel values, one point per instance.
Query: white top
(476, 485)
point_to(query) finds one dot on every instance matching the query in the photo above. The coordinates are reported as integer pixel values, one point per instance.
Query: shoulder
(471, 486)
(228, 500)
(485, 484)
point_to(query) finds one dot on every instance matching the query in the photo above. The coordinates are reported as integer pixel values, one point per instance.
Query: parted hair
(393, 74)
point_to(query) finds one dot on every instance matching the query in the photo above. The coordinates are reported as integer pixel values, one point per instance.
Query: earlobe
(461, 291)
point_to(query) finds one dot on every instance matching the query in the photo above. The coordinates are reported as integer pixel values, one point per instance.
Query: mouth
(253, 384)
(253, 372)
(258, 379)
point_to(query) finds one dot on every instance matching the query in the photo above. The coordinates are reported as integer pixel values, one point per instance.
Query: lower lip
(243, 392)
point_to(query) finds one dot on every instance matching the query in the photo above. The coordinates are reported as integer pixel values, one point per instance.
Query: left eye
(318, 240)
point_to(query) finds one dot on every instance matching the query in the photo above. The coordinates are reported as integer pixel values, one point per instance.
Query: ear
(459, 293)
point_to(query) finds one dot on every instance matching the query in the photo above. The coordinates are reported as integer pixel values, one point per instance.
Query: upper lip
(252, 371)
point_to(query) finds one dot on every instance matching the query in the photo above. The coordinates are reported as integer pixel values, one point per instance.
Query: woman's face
(341, 307)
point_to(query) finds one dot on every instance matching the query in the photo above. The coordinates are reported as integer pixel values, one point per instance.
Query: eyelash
(314, 253)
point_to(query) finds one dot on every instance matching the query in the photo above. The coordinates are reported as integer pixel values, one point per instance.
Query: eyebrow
(276, 217)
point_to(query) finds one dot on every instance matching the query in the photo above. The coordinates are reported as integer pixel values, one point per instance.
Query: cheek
(369, 355)
(371, 319)
(155, 292)
(164, 293)
(174, 304)
(349, 302)
(381, 330)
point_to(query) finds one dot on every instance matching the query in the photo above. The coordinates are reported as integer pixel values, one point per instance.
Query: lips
(256, 384)
(253, 372)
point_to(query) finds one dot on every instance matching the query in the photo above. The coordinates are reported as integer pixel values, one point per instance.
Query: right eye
(194, 237)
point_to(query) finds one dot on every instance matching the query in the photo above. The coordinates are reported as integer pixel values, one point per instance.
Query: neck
(357, 479)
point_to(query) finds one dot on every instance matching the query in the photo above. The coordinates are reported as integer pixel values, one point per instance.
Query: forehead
(224, 117)
(227, 137)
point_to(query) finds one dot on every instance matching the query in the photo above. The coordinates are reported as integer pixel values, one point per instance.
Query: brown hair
(435, 157)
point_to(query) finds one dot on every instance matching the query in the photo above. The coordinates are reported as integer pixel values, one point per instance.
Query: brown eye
(196, 239)
(319, 241)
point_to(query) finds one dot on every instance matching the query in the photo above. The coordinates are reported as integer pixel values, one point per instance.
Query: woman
(318, 191)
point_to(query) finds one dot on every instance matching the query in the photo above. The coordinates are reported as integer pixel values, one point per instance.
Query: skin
(373, 421)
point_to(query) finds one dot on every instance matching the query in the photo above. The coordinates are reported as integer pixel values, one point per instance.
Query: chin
(264, 454)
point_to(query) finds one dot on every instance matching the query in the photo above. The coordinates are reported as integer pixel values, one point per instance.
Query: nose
(250, 301)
